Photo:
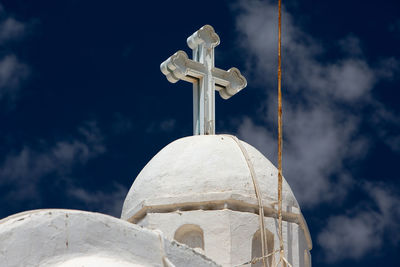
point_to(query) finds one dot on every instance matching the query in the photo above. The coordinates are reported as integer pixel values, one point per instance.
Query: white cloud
(351, 46)
(350, 236)
(311, 157)
(100, 201)
(363, 228)
(12, 74)
(387, 202)
(11, 29)
(387, 126)
(12, 71)
(388, 68)
(320, 103)
(302, 71)
(167, 125)
(23, 171)
(350, 80)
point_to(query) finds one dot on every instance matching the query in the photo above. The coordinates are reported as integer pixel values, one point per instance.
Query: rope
(281, 248)
(259, 199)
(257, 259)
(282, 258)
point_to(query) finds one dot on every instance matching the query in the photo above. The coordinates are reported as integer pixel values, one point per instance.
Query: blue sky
(84, 106)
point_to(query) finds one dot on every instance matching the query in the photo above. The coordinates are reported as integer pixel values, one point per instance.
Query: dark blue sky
(84, 106)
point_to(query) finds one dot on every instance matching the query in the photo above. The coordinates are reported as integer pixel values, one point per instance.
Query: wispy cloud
(13, 72)
(10, 28)
(167, 125)
(351, 46)
(322, 102)
(321, 99)
(101, 201)
(362, 229)
(351, 236)
(22, 172)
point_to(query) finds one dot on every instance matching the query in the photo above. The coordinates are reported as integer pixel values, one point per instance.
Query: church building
(203, 200)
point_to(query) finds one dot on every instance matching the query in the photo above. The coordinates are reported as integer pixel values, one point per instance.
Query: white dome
(204, 172)
(66, 238)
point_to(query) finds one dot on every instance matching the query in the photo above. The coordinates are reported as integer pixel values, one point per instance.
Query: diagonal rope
(259, 200)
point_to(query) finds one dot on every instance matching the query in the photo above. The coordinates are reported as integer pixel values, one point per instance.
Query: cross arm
(228, 83)
(180, 67)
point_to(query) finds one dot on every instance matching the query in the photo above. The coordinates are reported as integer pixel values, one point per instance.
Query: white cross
(205, 77)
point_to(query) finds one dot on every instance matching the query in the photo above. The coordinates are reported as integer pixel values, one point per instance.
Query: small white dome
(203, 171)
(67, 238)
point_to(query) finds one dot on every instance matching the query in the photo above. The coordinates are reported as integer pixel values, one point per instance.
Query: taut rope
(281, 248)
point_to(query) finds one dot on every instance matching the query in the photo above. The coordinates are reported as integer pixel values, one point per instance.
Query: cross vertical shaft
(198, 95)
(204, 93)
(203, 42)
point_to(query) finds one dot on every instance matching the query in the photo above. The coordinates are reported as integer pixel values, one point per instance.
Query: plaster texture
(204, 170)
(205, 181)
(66, 238)
(228, 234)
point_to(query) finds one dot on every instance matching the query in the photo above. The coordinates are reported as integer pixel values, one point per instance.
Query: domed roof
(67, 238)
(205, 172)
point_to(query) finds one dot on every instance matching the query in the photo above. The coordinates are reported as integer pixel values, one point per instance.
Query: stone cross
(206, 78)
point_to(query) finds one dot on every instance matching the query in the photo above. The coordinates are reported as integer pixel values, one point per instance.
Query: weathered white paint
(67, 238)
(205, 181)
(228, 234)
(205, 77)
(91, 261)
(202, 170)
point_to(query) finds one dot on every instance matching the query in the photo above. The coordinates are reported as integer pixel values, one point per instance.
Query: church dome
(70, 238)
(206, 172)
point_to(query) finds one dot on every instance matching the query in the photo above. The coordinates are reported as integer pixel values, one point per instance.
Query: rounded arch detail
(256, 247)
(191, 235)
